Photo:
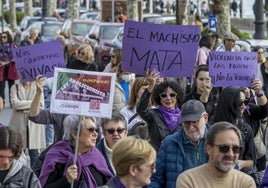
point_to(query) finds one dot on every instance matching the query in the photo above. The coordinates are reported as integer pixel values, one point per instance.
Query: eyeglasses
(165, 95)
(112, 56)
(260, 52)
(151, 166)
(245, 102)
(112, 131)
(10, 158)
(223, 148)
(92, 129)
(82, 53)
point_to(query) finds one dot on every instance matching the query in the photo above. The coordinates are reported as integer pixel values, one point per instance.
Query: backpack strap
(133, 117)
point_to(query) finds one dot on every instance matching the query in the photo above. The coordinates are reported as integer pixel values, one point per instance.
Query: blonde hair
(88, 53)
(131, 151)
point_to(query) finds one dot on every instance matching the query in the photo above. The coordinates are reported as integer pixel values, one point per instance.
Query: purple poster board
(37, 59)
(232, 68)
(169, 49)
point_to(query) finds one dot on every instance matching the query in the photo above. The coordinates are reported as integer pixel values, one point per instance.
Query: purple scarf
(171, 116)
(62, 153)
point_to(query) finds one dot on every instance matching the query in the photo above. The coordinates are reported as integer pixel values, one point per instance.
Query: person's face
(203, 81)
(221, 159)
(229, 44)
(6, 159)
(195, 129)
(4, 38)
(260, 55)
(89, 134)
(114, 131)
(243, 102)
(81, 54)
(168, 98)
(33, 35)
(144, 173)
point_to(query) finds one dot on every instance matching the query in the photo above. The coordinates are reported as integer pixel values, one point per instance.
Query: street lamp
(259, 22)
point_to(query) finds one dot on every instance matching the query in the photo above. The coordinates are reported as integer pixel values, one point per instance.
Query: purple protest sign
(169, 49)
(232, 68)
(38, 59)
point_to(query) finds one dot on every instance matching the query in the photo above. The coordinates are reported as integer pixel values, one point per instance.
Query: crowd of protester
(204, 137)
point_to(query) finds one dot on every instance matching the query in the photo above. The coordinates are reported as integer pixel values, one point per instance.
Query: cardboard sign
(232, 68)
(37, 59)
(82, 92)
(169, 49)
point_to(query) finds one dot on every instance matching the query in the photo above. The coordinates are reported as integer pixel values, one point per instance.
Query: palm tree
(12, 15)
(223, 18)
(73, 7)
(28, 8)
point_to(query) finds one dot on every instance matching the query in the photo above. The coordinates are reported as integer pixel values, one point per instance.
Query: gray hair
(116, 117)
(218, 127)
(71, 123)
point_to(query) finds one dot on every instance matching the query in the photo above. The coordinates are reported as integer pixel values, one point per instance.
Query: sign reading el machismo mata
(82, 92)
(37, 59)
(232, 68)
(168, 49)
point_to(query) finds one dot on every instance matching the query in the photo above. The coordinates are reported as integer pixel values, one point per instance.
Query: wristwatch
(260, 93)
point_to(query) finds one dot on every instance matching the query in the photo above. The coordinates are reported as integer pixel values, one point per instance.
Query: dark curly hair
(162, 87)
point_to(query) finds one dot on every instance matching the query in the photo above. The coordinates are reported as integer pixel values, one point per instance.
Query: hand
(151, 76)
(71, 173)
(40, 83)
(2, 63)
(256, 85)
(206, 92)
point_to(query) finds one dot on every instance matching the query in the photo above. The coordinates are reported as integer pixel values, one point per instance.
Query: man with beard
(223, 145)
(185, 149)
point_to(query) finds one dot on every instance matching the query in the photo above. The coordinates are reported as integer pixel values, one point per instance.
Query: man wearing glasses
(223, 145)
(113, 130)
(184, 149)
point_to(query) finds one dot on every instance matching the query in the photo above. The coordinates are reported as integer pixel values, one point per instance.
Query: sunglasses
(93, 129)
(4, 37)
(223, 148)
(82, 53)
(165, 95)
(112, 131)
(260, 52)
(113, 56)
(245, 102)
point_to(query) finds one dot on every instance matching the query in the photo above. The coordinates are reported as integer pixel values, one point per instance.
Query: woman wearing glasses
(84, 59)
(13, 173)
(8, 71)
(230, 108)
(134, 163)
(164, 118)
(114, 62)
(89, 169)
